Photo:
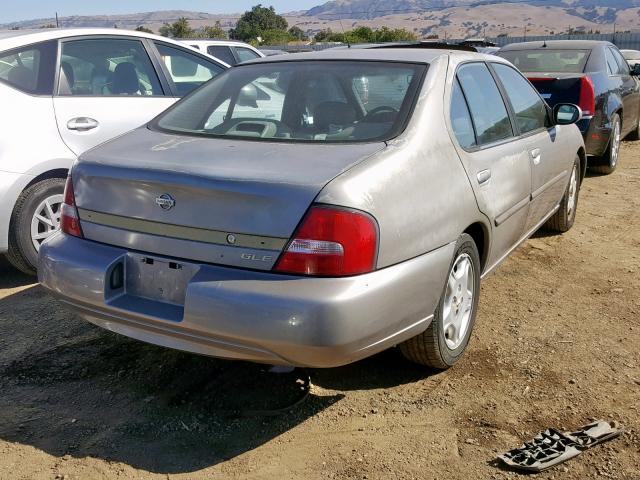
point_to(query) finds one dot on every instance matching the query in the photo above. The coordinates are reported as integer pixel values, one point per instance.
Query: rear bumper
(249, 315)
(596, 136)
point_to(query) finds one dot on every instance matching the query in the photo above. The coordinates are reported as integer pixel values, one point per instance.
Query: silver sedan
(318, 208)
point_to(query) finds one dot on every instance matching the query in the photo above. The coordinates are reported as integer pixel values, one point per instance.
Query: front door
(106, 87)
(542, 141)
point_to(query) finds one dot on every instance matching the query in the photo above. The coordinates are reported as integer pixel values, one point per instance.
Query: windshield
(560, 61)
(317, 101)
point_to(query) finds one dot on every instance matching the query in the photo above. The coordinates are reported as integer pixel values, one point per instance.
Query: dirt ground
(556, 344)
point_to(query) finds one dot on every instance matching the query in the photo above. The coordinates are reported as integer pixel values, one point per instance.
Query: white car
(65, 91)
(228, 51)
(631, 56)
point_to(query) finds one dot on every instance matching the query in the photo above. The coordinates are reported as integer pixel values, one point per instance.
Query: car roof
(556, 44)
(17, 38)
(211, 41)
(410, 55)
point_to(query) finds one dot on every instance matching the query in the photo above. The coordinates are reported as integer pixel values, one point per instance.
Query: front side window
(461, 118)
(487, 108)
(530, 110)
(187, 71)
(547, 60)
(30, 69)
(312, 101)
(223, 53)
(245, 54)
(107, 67)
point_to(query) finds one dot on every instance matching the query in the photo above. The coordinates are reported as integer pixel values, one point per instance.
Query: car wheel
(442, 344)
(35, 217)
(563, 219)
(610, 158)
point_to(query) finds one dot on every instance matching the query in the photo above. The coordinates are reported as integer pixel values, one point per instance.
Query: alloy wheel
(458, 301)
(615, 145)
(46, 220)
(573, 192)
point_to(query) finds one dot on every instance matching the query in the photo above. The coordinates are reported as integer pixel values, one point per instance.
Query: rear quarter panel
(416, 188)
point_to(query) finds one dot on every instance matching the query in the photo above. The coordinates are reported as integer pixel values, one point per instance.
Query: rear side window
(245, 54)
(187, 71)
(106, 67)
(30, 69)
(461, 118)
(612, 66)
(623, 66)
(487, 107)
(530, 110)
(223, 53)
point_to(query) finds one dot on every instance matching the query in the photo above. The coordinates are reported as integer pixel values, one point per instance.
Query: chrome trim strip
(506, 215)
(180, 232)
(519, 242)
(537, 192)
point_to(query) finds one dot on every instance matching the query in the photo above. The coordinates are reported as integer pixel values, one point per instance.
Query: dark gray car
(284, 213)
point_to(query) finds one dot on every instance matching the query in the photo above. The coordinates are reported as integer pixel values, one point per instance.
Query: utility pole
(57, 22)
(613, 40)
(525, 33)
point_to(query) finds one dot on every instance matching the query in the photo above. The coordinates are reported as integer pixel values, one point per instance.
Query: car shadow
(12, 278)
(69, 388)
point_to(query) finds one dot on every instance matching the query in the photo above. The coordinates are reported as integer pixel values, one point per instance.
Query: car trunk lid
(220, 201)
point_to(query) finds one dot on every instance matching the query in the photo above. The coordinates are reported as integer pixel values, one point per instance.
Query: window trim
(514, 131)
(52, 87)
(505, 95)
(142, 40)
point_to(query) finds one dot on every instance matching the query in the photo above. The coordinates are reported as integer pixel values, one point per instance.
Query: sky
(14, 10)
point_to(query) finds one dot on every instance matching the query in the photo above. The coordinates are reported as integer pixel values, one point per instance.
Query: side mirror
(635, 70)
(248, 96)
(566, 114)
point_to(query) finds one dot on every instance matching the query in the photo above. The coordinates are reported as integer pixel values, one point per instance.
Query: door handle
(484, 176)
(535, 156)
(82, 124)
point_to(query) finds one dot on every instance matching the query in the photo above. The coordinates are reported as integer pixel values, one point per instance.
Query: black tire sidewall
(22, 216)
(466, 245)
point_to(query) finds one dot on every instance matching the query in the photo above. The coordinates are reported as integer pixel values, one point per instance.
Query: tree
(144, 29)
(215, 31)
(276, 37)
(48, 25)
(367, 35)
(178, 29)
(297, 33)
(256, 22)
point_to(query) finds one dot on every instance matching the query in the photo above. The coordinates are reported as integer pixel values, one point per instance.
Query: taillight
(331, 242)
(587, 100)
(69, 219)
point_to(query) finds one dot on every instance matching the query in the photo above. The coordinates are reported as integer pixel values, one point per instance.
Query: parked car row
(314, 209)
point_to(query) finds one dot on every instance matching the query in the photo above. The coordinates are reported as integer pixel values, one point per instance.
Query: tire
(434, 347)
(563, 219)
(609, 161)
(23, 252)
(635, 133)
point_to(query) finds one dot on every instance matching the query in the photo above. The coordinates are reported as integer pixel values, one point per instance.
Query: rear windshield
(319, 101)
(560, 61)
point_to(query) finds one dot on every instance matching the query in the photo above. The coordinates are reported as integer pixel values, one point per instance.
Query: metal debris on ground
(553, 447)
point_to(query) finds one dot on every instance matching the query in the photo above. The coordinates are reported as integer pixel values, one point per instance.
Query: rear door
(105, 87)
(546, 149)
(497, 163)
